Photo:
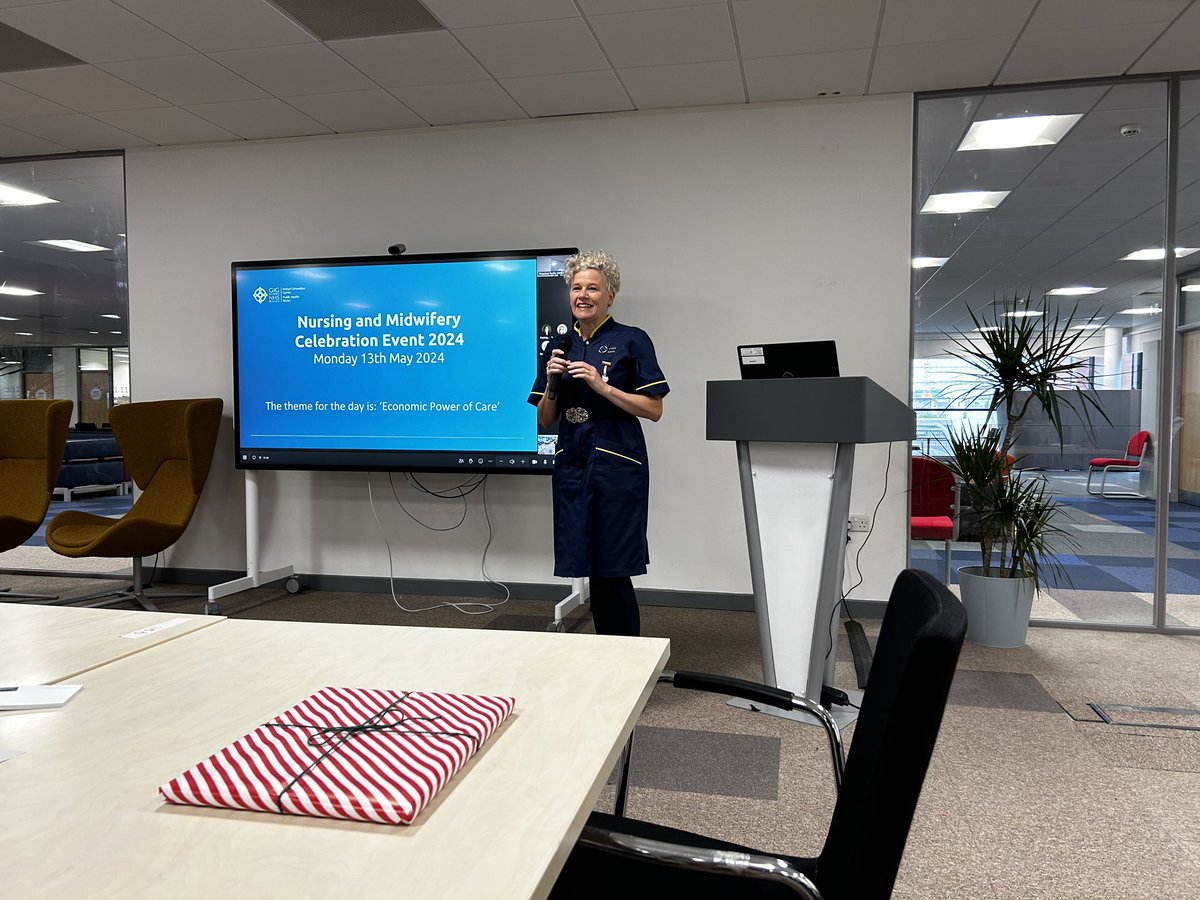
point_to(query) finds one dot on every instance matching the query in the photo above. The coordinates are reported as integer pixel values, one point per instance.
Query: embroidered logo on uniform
(576, 414)
(606, 349)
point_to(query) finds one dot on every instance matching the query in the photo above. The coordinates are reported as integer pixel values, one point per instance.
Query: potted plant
(1018, 355)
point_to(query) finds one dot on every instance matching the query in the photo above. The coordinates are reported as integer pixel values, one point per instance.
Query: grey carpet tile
(1030, 833)
(1144, 749)
(1010, 742)
(1105, 606)
(1001, 690)
(793, 826)
(705, 762)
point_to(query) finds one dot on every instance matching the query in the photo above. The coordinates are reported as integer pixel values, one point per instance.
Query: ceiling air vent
(336, 19)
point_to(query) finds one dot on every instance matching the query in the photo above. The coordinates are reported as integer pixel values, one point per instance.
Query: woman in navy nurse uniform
(610, 379)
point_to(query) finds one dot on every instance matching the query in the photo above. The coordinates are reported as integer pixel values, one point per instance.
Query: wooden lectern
(795, 447)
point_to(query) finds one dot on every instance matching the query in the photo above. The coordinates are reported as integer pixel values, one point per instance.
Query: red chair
(1130, 462)
(934, 515)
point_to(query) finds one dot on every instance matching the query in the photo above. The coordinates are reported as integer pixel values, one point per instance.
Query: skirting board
(870, 609)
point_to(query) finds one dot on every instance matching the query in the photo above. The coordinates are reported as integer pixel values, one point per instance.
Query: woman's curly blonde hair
(594, 259)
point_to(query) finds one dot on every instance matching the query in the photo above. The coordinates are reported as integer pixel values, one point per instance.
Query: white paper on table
(37, 696)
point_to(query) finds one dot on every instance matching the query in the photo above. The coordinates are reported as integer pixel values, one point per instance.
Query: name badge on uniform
(576, 414)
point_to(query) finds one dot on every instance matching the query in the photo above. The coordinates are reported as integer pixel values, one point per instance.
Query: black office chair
(905, 696)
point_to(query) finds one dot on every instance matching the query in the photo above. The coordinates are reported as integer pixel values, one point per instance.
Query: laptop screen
(797, 359)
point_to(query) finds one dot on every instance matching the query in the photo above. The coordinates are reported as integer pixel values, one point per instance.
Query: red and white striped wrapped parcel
(347, 753)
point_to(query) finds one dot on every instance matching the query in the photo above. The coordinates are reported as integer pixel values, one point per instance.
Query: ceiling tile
(568, 93)
(79, 132)
(907, 67)
(785, 27)
(15, 102)
(1066, 15)
(258, 119)
(84, 88)
(20, 143)
(692, 84)
(453, 104)
(93, 30)
(167, 125)
(1176, 49)
(600, 7)
(807, 75)
(927, 21)
(1081, 53)
(186, 79)
(399, 60)
(221, 24)
(534, 48)
(294, 70)
(666, 36)
(374, 110)
(467, 13)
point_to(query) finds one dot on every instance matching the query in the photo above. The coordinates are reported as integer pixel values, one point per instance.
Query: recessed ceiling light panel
(1151, 253)
(18, 291)
(11, 196)
(76, 246)
(963, 201)
(1076, 291)
(1018, 131)
(928, 262)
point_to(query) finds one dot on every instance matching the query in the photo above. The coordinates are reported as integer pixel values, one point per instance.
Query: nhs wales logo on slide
(277, 294)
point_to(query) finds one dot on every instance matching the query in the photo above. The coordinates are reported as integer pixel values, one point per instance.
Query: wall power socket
(860, 523)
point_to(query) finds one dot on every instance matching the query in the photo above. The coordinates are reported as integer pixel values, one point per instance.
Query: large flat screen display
(415, 363)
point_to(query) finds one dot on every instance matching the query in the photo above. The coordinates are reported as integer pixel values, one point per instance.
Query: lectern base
(842, 715)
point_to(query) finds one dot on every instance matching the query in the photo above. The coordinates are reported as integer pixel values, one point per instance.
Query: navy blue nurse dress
(601, 474)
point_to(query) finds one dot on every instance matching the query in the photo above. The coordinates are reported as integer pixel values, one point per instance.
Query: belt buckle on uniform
(576, 414)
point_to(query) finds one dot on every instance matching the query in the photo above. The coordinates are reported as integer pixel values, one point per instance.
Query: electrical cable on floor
(483, 561)
(467, 607)
(858, 554)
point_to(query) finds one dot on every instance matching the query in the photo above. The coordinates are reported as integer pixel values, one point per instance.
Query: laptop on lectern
(797, 359)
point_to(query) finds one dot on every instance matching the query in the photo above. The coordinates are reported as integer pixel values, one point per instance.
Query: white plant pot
(997, 608)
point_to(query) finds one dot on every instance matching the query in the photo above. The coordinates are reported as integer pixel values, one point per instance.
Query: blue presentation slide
(414, 356)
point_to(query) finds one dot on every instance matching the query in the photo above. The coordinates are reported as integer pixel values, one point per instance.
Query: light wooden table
(81, 816)
(46, 644)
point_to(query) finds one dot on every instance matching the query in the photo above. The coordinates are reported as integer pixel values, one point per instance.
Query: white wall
(732, 225)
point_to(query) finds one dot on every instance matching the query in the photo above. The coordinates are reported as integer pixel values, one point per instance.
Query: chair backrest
(1137, 445)
(932, 488)
(178, 435)
(32, 436)
(919, 642)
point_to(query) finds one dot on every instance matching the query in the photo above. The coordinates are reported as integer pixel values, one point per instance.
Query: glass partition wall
(1060, 201)
(64, 314)
(1182, 606)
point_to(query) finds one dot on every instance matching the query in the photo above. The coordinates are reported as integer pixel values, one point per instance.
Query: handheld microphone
(563, 344)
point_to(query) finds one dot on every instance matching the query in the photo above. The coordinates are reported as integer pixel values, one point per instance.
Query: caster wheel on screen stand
(294, 585)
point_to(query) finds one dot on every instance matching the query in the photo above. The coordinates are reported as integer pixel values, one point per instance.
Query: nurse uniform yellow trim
(651, 384)
(594, 330)
(622, 455)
